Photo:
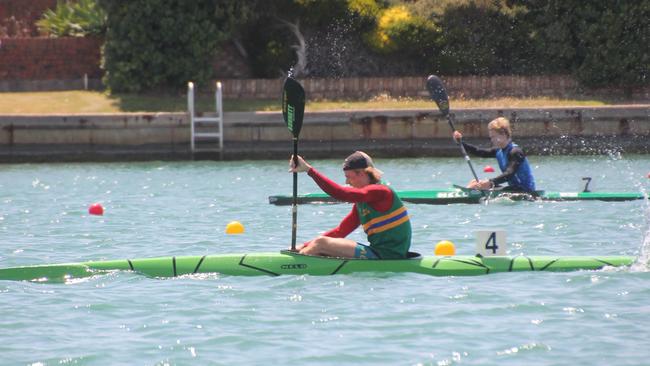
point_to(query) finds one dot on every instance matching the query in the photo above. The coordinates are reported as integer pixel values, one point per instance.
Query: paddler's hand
(483, 184)
(457, 136)
(302, 246)
(302, 165)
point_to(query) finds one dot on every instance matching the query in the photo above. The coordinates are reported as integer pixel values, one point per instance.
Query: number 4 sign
(491, 242)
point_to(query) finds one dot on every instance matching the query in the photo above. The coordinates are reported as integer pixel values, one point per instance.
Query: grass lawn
(90, 102)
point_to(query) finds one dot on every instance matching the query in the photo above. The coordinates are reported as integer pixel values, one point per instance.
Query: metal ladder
(206, 132)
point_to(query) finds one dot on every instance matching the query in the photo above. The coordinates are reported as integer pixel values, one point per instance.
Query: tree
(601, 43)
(486, 38)
(162, 44)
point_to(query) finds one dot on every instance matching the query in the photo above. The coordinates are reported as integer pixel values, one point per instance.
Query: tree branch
(300, 68)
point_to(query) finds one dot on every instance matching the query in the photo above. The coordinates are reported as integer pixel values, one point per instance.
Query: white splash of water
(642, 263)
(643, 260)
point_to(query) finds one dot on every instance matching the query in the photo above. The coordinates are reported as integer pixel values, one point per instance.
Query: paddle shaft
(439, 95)
(293, 109)
(294, 206)
(462, 148)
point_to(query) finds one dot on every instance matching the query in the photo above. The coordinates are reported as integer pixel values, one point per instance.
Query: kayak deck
(468, 196)
(289, 263)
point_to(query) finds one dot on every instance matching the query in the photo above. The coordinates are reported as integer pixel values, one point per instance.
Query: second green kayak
(458, 195)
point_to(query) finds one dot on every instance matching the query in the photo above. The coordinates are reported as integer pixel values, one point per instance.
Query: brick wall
(49, 58)
(68, 58)
(18, 17)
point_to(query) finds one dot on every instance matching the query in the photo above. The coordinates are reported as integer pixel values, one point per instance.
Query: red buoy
(488, 169)
(96, 209)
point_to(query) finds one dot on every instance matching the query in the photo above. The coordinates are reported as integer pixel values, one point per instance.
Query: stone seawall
(263, 135)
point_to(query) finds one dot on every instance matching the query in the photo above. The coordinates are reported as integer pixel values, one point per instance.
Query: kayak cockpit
(410, 255)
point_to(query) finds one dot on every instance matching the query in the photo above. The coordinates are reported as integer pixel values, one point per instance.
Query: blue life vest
(523, 177)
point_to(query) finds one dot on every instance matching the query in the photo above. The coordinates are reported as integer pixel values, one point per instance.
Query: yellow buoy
(445, 247)
(234, 227)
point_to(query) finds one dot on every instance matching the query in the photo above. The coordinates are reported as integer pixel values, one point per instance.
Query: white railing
(206, 130)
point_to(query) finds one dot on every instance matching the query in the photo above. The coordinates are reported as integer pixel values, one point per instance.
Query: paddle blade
(293, 105)
(438, 93)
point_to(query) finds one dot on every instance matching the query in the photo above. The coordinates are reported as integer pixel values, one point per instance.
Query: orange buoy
(445, 248)
(234, 227)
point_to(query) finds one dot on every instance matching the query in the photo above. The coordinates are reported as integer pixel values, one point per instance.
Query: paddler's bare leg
(331, 247)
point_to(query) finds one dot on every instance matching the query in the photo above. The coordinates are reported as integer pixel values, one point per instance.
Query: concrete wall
(106, 137)
(263, 135)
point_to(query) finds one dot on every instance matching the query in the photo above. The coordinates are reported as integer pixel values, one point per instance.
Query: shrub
(161, 44)
(73, 19)
(600, 43)
(368, 9)
(486, 38)
(398, 30)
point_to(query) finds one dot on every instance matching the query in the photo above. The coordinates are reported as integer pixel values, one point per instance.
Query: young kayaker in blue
(515, 169)
(376, 207)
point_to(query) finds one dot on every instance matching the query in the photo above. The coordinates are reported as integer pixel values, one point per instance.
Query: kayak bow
(289, 263)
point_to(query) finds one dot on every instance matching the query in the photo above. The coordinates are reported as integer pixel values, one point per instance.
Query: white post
(219, 105)
(190, 109)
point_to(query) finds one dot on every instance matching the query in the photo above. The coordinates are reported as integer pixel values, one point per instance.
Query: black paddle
(293, 110)
(439, 95)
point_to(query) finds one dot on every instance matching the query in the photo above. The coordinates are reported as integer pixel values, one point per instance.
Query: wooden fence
(366, 87)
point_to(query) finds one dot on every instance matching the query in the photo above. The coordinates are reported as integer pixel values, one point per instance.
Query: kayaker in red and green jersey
(376, 207)
(515, 169)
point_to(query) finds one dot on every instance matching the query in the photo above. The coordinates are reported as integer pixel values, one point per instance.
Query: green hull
(456, 195)
(288, 263)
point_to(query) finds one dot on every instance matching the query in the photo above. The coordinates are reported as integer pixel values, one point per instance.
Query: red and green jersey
(389, 232)
(376, 207)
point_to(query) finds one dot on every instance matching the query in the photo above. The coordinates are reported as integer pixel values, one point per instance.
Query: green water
(162, 208)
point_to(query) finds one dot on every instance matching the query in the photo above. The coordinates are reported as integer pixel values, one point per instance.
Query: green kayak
(463, 195)
(289, 263)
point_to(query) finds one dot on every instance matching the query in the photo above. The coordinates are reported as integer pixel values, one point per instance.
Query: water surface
(182, 208)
